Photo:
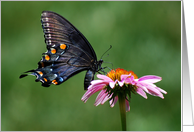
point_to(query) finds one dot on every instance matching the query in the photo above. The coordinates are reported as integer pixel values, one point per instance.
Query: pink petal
(127, 105)
(123, 77)
(121, 83)
(130, 80)
(100, 97)
(150, 78)
(113, 103)
(96, 82)
(161, 90)
(155, 92)
(91, 90)
(106, 98)
(112, 84)
(148, 85)
(104, 77)
(150, 89)
(142, 86)
(141, 92)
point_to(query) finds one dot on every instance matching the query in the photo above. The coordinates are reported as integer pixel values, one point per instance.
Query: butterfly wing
(59, 30)
(68, 51)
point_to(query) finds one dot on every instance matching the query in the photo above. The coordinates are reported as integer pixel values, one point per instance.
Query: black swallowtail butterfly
(68, 53)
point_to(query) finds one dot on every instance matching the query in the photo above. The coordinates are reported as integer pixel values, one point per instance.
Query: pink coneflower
(118, 85)
(122, 81)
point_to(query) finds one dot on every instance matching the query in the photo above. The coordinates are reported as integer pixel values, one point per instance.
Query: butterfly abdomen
(88, 78)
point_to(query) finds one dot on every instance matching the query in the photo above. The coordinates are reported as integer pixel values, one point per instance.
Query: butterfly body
(68, 53)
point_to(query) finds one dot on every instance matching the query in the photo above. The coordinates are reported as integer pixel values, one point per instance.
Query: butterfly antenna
(106, 51)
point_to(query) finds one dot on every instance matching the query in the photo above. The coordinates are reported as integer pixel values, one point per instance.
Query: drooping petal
(127, 105)
(149, 87)
(140, 85)
(113, 102)
(161, 90)
(106, 98)
(141, 92)
(150, 78)
(155, 92)
(91, 90)
(101, 96)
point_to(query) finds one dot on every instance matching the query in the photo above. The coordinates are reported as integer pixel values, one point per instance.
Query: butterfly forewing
(58, 30)
(68, 52)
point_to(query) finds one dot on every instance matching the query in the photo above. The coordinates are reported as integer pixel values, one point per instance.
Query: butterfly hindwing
(68, 52)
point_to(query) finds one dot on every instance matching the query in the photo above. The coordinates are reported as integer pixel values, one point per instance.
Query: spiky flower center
(116, 74)
(126, 89)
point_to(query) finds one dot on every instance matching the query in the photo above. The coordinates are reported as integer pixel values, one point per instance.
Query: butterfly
(68, 53)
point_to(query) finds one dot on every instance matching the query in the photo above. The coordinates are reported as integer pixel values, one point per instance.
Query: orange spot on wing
(55, 82)
(40, 73)
(53, 51)
(45, 79)
(63, 46)
(47, 57)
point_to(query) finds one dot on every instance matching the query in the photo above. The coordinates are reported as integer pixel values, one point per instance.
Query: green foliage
(146, 38)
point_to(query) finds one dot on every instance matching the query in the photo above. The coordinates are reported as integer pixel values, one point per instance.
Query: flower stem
(122, 106)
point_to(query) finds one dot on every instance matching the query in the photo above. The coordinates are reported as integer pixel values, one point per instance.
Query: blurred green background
(146, 38)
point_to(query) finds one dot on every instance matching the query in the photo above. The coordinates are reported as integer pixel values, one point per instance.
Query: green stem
(122, 106)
